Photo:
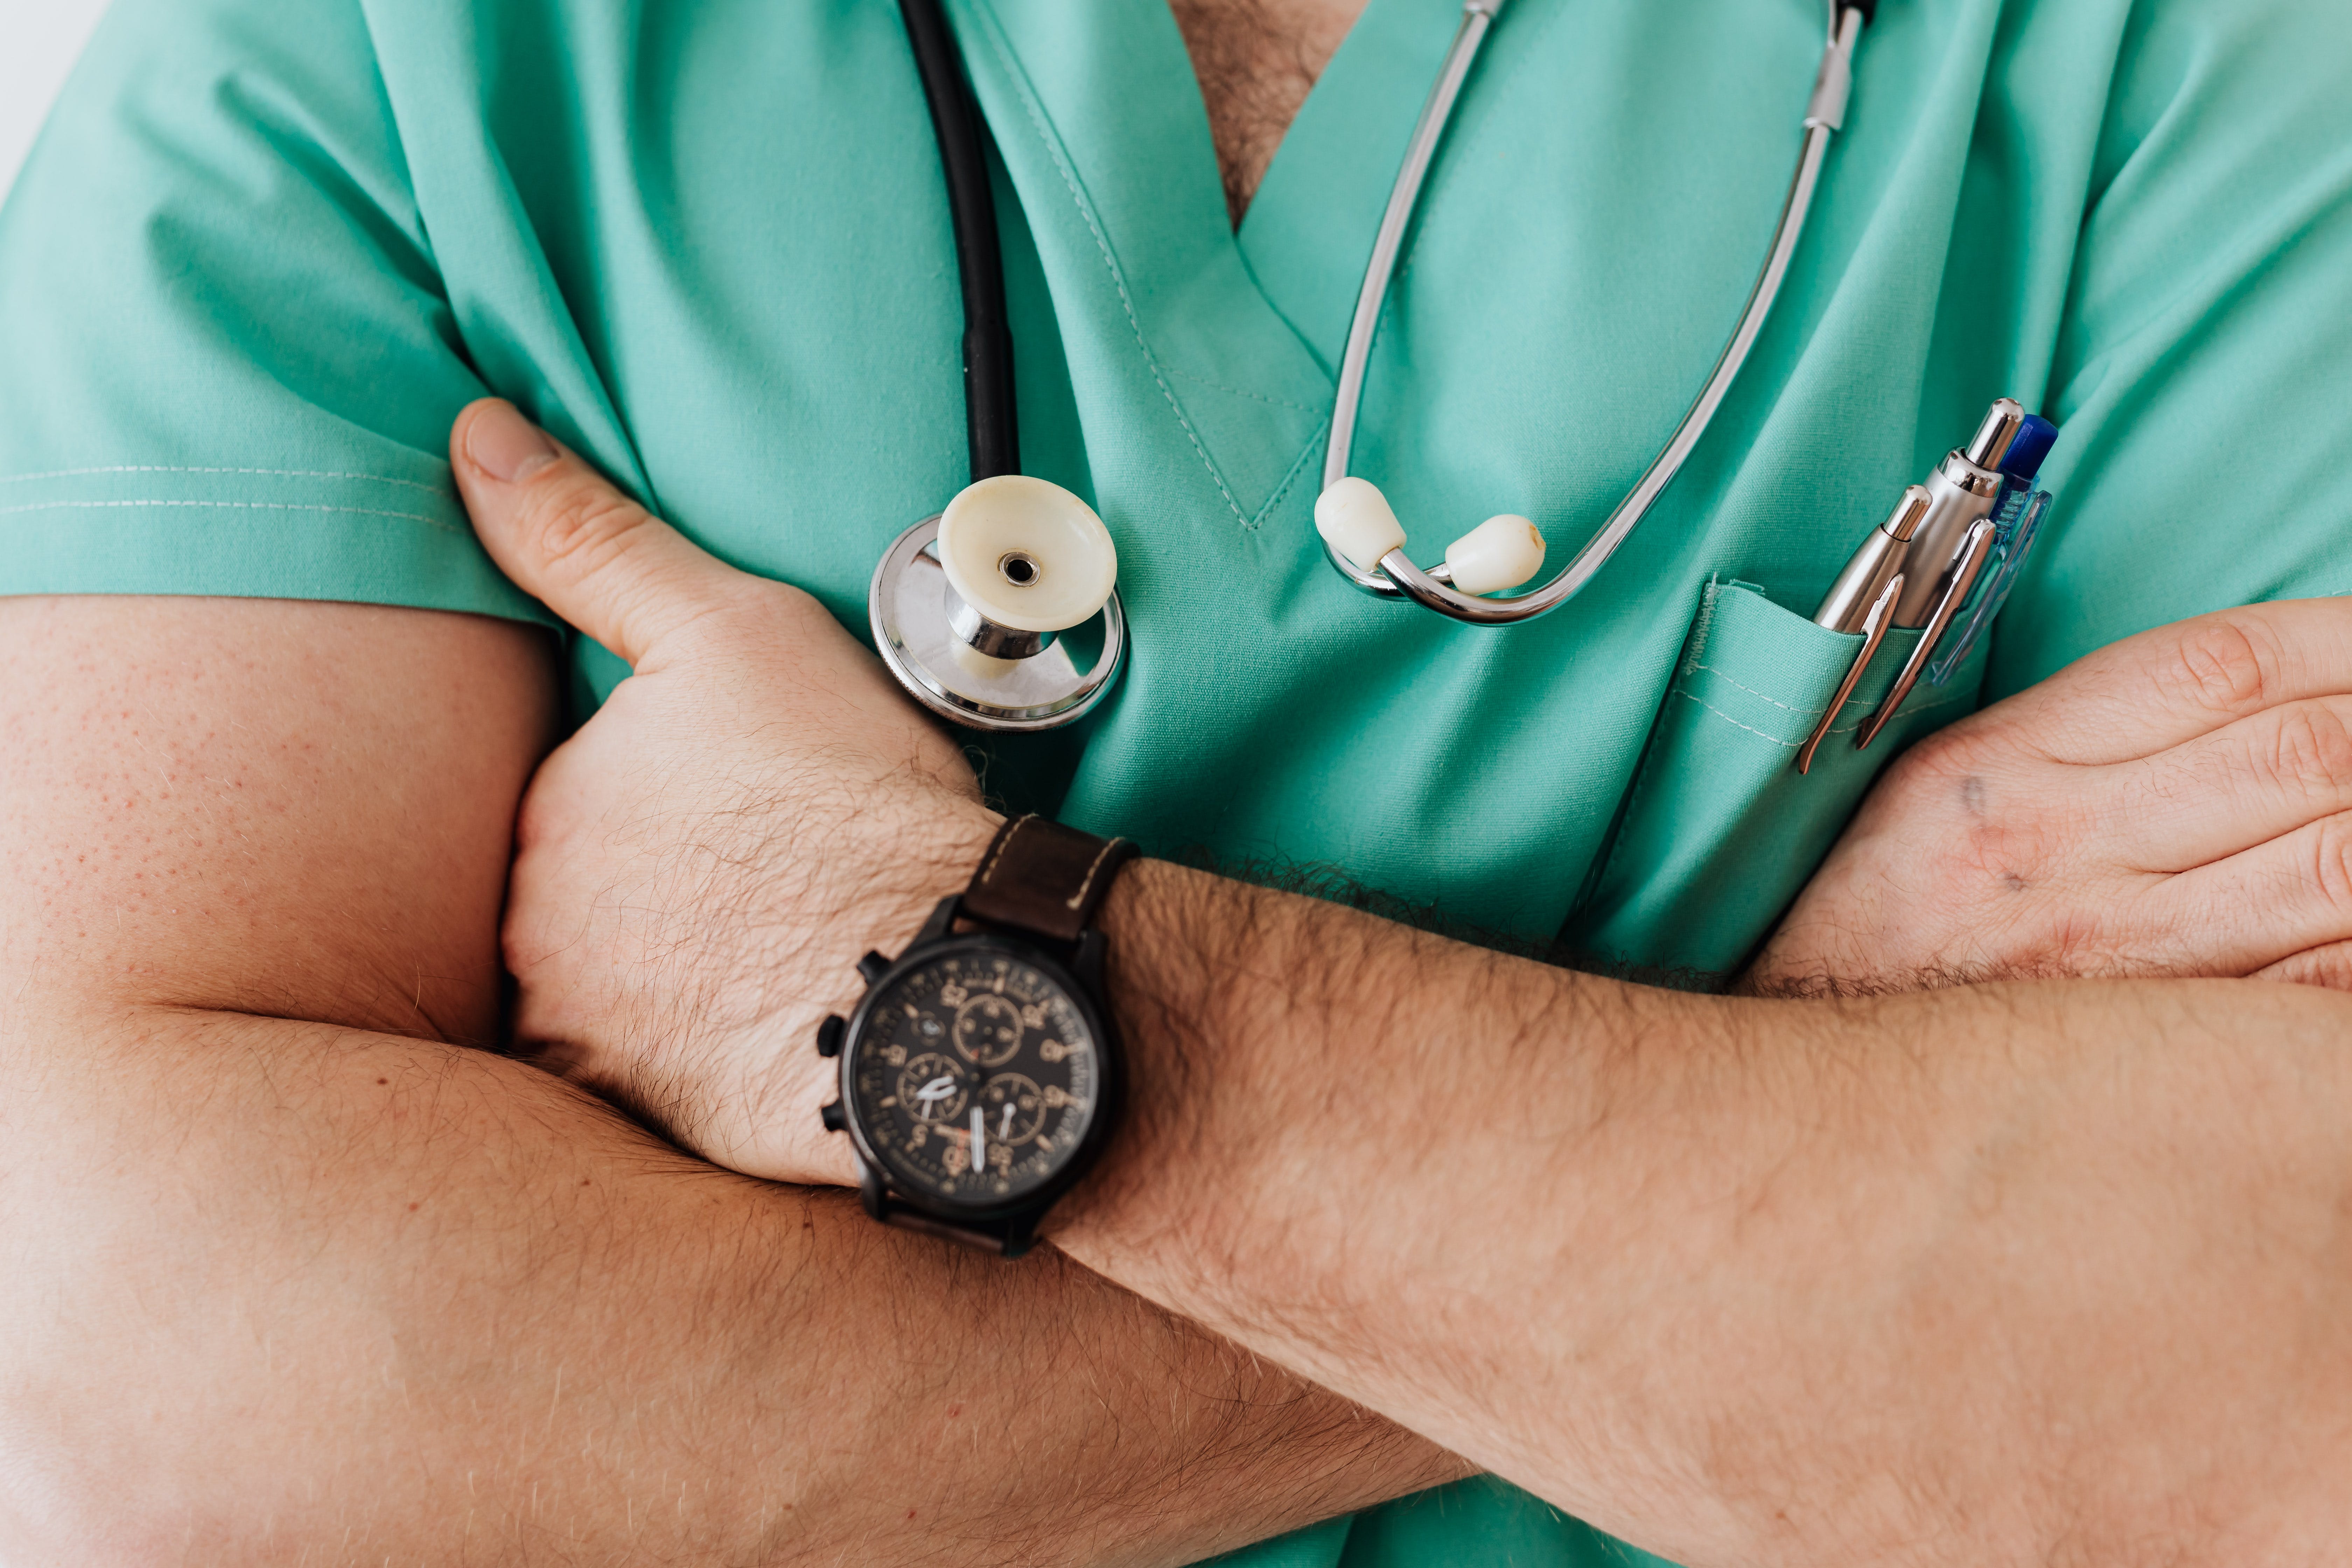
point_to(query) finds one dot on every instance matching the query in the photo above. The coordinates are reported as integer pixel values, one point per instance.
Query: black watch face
(975, 1077)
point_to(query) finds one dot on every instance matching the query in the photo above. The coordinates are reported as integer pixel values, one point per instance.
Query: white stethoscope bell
(968, 606)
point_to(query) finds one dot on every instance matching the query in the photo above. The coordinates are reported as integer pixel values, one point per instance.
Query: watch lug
(1087, 963)
(870, 1192)
(1019, 1234)
(942, 920)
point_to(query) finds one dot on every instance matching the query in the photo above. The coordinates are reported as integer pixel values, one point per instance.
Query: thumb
(566, 536)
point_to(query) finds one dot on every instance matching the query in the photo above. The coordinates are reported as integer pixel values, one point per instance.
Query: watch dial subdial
(973, 1049)
(1012, 1108)
(934, 1089)
(988, 1029)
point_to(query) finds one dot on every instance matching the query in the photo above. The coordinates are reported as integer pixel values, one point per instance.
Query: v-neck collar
(1308, 231)
(1100, 119)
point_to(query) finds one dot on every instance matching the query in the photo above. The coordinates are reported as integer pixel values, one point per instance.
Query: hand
(2179, 804)
(699, 867)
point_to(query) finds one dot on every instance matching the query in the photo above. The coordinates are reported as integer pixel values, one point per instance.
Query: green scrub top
(263, 254)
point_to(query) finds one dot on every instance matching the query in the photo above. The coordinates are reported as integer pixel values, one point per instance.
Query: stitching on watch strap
(1004, 842)
(1078, 898)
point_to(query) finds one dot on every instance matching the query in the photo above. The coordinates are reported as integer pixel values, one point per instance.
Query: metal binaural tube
(1404, 195)
(1396, 575)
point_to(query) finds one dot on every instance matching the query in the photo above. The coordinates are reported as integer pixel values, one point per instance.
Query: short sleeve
(2204, 372)
(227, 364)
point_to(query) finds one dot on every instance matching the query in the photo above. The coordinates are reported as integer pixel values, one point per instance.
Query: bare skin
(255, 855)
(365, 1295)
(2179, 804)
(1962, 1277)
(1257, 61)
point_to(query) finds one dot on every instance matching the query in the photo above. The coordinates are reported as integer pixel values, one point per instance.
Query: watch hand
(979, 1140)
(938, 1088)
(1004, 1123)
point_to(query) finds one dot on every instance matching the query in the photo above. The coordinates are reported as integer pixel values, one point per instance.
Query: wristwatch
(980, 1075)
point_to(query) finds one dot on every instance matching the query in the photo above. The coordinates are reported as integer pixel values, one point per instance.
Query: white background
(39, 41)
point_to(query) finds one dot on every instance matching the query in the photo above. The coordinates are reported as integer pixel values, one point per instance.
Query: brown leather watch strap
(1042, 878)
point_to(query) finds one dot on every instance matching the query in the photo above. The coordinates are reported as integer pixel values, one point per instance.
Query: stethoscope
(974, 609)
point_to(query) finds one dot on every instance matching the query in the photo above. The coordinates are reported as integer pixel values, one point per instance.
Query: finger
(2154, 690)
(2217, 793)
(2330, 966)
(2241, 915)
(566, 536)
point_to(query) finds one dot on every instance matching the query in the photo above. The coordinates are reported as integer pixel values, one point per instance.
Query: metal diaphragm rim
(907, 608)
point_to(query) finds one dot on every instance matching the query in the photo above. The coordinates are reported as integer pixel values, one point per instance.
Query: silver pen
(1917, 568)
(1864, 597)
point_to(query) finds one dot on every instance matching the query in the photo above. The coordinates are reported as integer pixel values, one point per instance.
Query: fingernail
(506, 446)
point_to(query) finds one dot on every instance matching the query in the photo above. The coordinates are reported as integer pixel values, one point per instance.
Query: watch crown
(828, 1034)
(871, 966)
(831, 1116)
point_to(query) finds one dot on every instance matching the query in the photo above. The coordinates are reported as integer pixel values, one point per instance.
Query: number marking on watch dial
(976, 1078)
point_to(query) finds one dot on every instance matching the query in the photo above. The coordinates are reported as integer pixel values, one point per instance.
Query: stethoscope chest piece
(970, 607)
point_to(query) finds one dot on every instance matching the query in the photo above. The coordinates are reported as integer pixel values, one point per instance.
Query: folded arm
(294, 1275)
(2006, 1274)
(2003, 1273)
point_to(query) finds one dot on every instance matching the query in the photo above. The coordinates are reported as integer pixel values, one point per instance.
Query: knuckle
(2311, 749)
(2329, 966)
(2223, 664)
(580, 527)
(2331, 862)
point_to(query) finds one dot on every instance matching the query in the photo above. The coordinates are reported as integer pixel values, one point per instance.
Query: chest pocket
(1719, 830)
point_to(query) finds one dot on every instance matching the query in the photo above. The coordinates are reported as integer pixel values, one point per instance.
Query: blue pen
(2016, 518)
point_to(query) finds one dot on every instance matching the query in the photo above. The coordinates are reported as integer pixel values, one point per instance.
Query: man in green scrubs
(259, 261)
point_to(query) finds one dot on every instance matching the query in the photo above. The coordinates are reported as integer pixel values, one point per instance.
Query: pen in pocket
(1967, 528)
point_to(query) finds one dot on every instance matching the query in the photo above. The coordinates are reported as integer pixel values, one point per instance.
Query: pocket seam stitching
(1792, 745)
(1717, 672)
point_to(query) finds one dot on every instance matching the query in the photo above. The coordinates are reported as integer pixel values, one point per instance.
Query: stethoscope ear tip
(1357, 521)
(1501, 552)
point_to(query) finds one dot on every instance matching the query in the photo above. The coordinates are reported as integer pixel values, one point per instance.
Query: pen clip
(1963, 577)
(1873, 632)
(2018, 524)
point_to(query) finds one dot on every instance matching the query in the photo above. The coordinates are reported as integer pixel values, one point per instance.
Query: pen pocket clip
(1873, 632)
(1963, 577)
(2020, 523)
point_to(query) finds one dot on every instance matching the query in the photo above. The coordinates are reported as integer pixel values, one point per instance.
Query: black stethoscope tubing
(989, 394)
(991, 428)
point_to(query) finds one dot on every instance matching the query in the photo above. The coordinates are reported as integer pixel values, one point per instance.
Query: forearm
(282, 1291)
(1925, 1279)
